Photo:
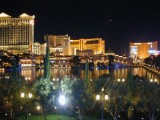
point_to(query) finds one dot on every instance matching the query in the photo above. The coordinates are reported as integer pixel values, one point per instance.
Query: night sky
(116, 21)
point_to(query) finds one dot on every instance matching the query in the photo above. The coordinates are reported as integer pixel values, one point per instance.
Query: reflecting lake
(93, 74)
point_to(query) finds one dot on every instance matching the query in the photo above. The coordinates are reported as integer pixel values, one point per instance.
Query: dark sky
(116, 21)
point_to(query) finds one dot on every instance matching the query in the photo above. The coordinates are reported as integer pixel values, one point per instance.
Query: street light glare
(62, 99)
(38, 107)
(30, 95)
(27, 78)
(106, 97)
(97, 97)
(102, 89)
(155, 80)
(22, 95)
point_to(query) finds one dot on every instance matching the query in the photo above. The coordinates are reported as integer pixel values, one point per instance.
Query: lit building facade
(143, 50)
(95, 44)
(60, 45)
(60, 61)
(58, 40)
(16, 34)
(39, 49)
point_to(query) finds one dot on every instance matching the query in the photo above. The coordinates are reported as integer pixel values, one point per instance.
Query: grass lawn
(55, 117)
(49, 117)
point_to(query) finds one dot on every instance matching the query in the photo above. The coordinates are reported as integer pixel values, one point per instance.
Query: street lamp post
(26, 95)
(102, 97)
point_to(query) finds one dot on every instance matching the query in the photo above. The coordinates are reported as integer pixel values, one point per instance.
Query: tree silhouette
(75, 61)
(44, 91)
(43, 87)
(9, 93)
(77, 99)
(47, 61)
(86, 79)
(130, 94)
(149, 100)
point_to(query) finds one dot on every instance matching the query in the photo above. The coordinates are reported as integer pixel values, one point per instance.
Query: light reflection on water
(93, 74)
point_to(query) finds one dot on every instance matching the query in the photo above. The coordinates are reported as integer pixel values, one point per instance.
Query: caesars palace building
(16, 34)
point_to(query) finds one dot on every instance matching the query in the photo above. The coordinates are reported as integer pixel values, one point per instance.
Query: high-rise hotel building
(16, 34)
(60, 45)
(143, 50)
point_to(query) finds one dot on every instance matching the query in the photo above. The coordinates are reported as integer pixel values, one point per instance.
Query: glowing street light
(102, 97)
(27, 78)
(38, 107)
(22, 95)
(121, 80)
(29, 95)
(26, 96)
(97, 97)
(154, 80)
(62, 99)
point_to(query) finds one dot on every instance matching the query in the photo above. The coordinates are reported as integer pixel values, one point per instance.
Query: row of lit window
(58, 61)
(10, 21)
(15, 48)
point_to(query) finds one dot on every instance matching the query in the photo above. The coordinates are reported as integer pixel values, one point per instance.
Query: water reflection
(33, 73)
(29, 73)
(93, 74)
(145, 73)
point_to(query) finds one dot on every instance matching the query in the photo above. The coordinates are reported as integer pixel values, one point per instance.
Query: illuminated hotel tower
(16, 34)
(142, 50)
